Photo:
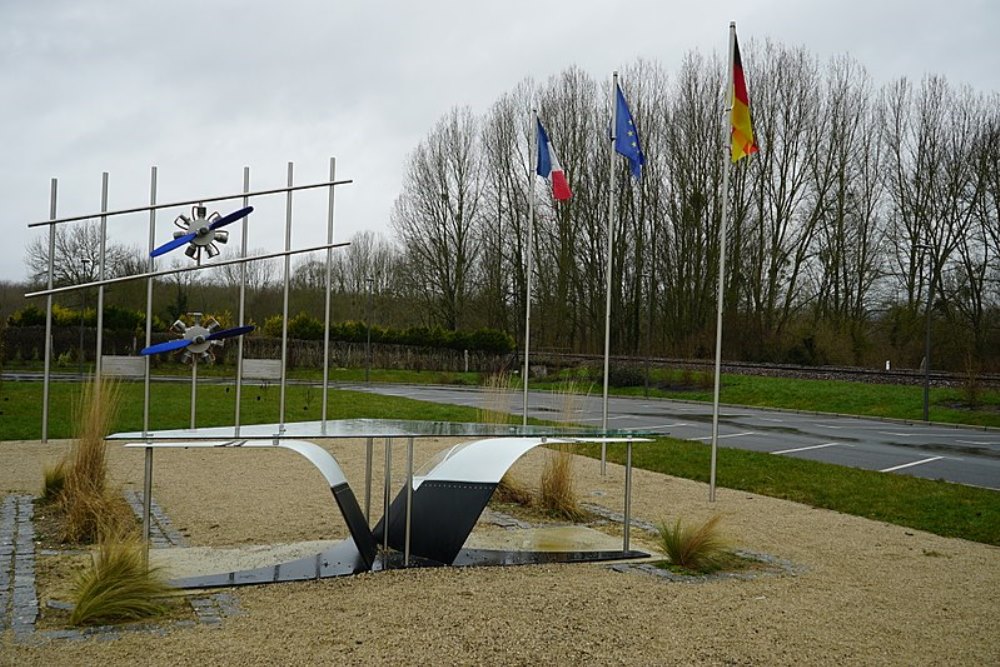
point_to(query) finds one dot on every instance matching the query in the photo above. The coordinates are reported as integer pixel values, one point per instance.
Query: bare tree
(784, 215)
(257, 275)
(846, 166)
(77, 256)
(438, 212)
(688, 240)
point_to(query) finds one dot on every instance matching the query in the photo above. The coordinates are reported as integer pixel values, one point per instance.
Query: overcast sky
(203, 88)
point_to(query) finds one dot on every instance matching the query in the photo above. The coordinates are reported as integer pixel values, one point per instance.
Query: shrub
(972, 383)
(272, 326)
(29, 316)
(490, 340)
(701, 549)
(304, 327)
(626, 375)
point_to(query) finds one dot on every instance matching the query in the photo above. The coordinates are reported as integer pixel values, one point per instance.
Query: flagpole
(726, 166)
(532, 158)
(607, 303)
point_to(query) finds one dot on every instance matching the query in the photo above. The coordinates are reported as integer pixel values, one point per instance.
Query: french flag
(549, 167)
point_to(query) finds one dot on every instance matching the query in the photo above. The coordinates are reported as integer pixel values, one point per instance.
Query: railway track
(904, 376)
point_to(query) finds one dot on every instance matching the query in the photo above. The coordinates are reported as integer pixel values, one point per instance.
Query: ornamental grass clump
(496, 392)
(558, 493)
(87, 502)
(54, 480)
(119, 586)
(700, 549)
(494, 413)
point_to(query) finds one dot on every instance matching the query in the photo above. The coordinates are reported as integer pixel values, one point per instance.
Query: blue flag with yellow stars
(627, 136)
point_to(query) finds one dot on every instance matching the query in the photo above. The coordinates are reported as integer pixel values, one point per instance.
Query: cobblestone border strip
(8, 524)
(24, 600)
(161, 531)
(618, 517)
(19, 605)
(209, 610)
(775, 567)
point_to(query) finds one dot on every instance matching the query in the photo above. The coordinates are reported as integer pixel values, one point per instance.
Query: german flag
(743, 141)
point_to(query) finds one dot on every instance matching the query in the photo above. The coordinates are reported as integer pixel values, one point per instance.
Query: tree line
(869, 212)
(865, 207)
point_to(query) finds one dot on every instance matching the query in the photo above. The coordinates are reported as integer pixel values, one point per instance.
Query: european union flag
(627, 136)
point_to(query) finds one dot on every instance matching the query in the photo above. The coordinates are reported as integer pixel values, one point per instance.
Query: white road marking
(676, 425)
(829, 426)
(976, 442)
(900, 435)
(913, 463)
(772, 419)
(802, 449)
(729, 435)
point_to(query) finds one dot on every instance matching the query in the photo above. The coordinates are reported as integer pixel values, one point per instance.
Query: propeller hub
(198, 335)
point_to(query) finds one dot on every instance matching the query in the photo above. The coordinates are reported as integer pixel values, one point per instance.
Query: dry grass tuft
(494, 412)
(700, 549)
(496, 400)
(87, 502)
(558, 494)
(118, 586)
(54, 480)
(509, 490)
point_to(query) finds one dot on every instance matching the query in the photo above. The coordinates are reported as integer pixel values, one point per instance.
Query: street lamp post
(368, 326)
(927, 333)
(649, 332)
(83, 309)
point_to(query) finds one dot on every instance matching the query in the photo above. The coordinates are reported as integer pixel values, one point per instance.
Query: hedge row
(301, 327)
(116, 318)
(306, 327)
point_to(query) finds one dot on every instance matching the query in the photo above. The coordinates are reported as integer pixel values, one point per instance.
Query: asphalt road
(935, 451)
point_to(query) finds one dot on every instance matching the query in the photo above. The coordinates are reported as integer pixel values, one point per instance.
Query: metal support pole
(409, 500)
(528, 264)
(927, 349)
(386, 489)
(147, 500)
(149, 304)
(83, 309)
(326, 305)
(243, 303)
(48, 312)
(628, 495)
(194, 388)
(284, 307)
(368, 325)
(369, 455)
(607, 278)
(102, 271)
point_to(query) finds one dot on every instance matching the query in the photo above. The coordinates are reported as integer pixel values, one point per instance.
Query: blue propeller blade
(232, 217)
(187, 238)
(170, 245)
(168, 346)
(229, 333)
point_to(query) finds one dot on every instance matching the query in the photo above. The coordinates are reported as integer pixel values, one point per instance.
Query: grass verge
(939, 507)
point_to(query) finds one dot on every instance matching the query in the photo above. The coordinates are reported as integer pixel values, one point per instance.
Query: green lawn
(833, 396)
(946, 509)
(938, 507)
(21, 411)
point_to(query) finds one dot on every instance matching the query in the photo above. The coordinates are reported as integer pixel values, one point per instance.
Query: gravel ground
(863, 593)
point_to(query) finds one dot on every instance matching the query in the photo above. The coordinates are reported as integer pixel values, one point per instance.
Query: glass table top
(375, 428)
